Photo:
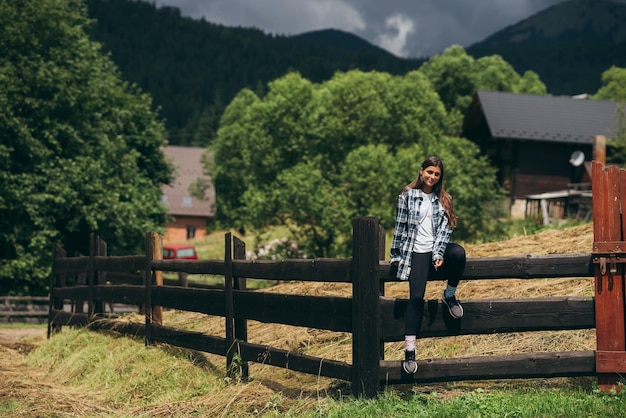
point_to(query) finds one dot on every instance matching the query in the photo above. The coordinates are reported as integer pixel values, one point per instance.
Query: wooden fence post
(609, 251)
(157, 276)
(381, 256)
(90, 276)
(241, 324)
(55, 303)
(81, 280)
(100, 247)
(228, 303)
(147, 282)
(365, 307)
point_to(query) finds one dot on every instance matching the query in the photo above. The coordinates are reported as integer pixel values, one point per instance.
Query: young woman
(421, 248)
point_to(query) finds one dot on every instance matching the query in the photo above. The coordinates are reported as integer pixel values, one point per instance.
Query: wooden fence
(24, 308)
(136, 280)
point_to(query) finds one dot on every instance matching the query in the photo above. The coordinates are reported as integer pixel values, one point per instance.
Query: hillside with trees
(569, 45)
(194, 68)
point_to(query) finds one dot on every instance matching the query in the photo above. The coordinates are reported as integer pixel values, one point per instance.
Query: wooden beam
(294, 361)
(157, 276)
(365, 307)
(491, 316)
(611, 362)
(534, 365)
(609, 285)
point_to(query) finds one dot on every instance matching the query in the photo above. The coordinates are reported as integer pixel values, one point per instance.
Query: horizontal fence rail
(21, 308)
(131, 280)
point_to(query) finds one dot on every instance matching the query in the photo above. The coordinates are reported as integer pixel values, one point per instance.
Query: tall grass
(105, 375)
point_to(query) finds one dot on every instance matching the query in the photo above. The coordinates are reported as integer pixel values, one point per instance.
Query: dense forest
(193, 68)
(569, 45)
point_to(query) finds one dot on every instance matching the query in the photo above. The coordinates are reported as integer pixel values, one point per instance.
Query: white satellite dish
(577, 158)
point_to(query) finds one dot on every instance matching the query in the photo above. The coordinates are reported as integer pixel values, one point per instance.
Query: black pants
(422, 269)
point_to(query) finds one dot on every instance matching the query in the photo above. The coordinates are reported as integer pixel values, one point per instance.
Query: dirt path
(22, 339)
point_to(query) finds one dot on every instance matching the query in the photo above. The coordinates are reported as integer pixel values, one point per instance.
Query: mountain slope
(340, 39)
(569, 45)
(193, 68)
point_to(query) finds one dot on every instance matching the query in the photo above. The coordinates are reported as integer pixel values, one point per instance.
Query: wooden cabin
(532, 139)
(190, 215)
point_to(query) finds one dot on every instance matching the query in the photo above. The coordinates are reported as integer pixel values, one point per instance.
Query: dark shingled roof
(542, 118)
(188, 166)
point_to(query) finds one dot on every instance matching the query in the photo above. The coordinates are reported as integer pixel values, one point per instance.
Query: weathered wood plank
(127, 294)
(32, 313)
(228, 302)
(133, 329)
(176, 337)
(365, 307)
(24, 300)
(534, 365)
(60, 317)
(241, 324)
(519, 267)
(191, 340)
(124, 263)
(70, 265)
(611, 362)
(71, 292)
(337, 270)
(491, 316)
(322, 312)
(176, 283)
(609, 287)
(215, 267)
(317, 269)
(293, 360)
(118, 278)
(208, 301)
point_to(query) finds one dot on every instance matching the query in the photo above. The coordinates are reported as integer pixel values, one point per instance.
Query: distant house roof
(188, 166)
(542, 118)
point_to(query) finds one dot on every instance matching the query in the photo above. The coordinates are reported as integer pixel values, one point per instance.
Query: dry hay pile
(39, 394)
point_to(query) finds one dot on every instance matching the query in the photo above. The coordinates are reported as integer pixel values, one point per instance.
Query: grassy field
(79, 373)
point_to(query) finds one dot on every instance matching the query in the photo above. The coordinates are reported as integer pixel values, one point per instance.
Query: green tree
(313, 156)
(81, 149)
(613, 85)
(456, 76)
(451, 74)
(614, 88)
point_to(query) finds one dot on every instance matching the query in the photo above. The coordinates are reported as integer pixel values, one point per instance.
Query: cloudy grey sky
(407, 28)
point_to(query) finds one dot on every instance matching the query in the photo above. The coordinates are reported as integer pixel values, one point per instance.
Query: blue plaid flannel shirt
(405, 234)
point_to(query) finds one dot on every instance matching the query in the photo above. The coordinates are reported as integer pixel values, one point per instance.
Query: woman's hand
(438, 263)
(393, 269)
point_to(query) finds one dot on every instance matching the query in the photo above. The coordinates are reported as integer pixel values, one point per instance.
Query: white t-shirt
(425, 232)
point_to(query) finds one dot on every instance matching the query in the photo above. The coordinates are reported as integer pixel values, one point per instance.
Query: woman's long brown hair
(438, 189)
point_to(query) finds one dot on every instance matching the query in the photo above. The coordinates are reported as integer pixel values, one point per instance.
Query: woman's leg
(452, 269)
(420, 267)
(453, 264)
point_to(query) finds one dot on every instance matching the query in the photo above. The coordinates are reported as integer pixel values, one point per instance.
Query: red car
(179, 252)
